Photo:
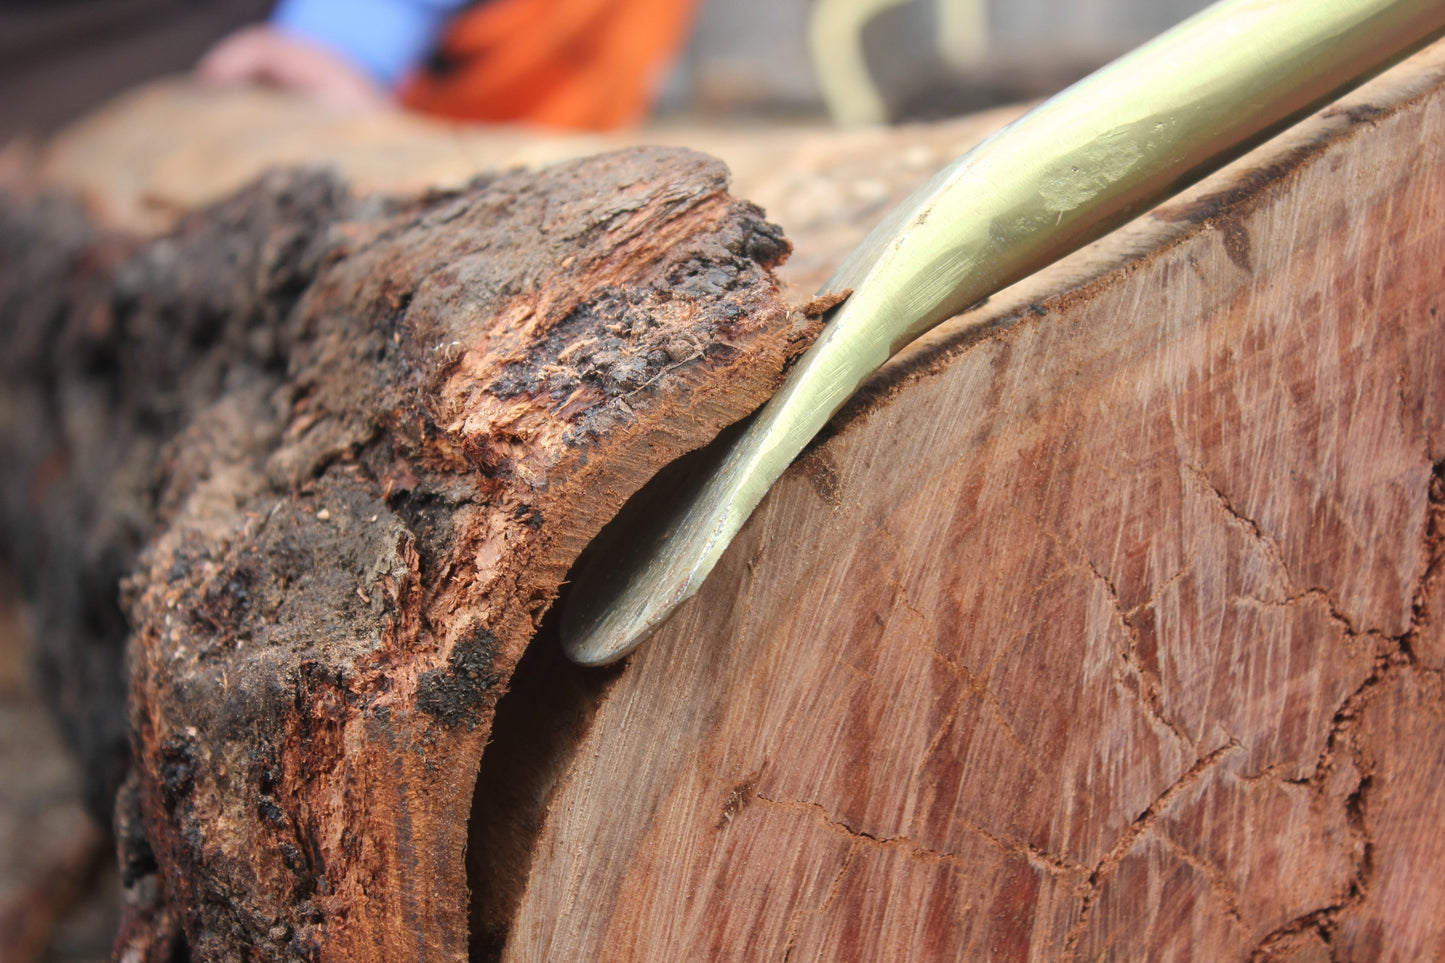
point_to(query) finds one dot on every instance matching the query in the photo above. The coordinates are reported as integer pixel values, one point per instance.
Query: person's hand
(267, 56)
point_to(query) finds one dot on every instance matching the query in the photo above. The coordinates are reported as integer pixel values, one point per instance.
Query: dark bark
(340, 454)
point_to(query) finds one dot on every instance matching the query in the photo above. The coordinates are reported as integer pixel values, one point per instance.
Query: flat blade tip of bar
(614, 633)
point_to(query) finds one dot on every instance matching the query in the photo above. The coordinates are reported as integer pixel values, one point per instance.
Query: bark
(346, 454)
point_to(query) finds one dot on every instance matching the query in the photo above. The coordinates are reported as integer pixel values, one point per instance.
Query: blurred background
(746, 58)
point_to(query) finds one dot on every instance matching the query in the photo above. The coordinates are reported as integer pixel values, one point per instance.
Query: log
(1100, 625)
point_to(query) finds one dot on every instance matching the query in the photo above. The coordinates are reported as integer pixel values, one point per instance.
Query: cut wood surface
(1109, 632)
(1100, 626)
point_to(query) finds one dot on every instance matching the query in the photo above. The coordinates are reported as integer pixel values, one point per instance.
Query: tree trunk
(1100, 625)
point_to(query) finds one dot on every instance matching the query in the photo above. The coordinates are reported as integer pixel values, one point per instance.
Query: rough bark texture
(1105, 626)
(346, 455)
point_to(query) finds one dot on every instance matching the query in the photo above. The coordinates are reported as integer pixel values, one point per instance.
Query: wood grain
(1101, 627)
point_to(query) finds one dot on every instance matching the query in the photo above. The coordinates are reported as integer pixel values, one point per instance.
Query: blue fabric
(386, 38)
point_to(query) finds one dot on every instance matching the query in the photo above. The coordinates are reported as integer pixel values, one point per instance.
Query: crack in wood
(1332, 610)
(1324, 921)
(1219, 884)
(980, 689)
(1150, 686)
(823, 817)
(1250, 525)
(1093, 886)
(1279, 942)
(795, 921)
(1432, 553)
(1036, 856)
(1343, 739)
(1164, 586)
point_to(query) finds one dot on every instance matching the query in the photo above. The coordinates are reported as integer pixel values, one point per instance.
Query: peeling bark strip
(371, 440)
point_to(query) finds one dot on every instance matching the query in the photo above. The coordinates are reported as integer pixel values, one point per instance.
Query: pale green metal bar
(1068, 172)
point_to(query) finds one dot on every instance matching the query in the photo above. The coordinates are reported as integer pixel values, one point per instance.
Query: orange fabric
(579, 64)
